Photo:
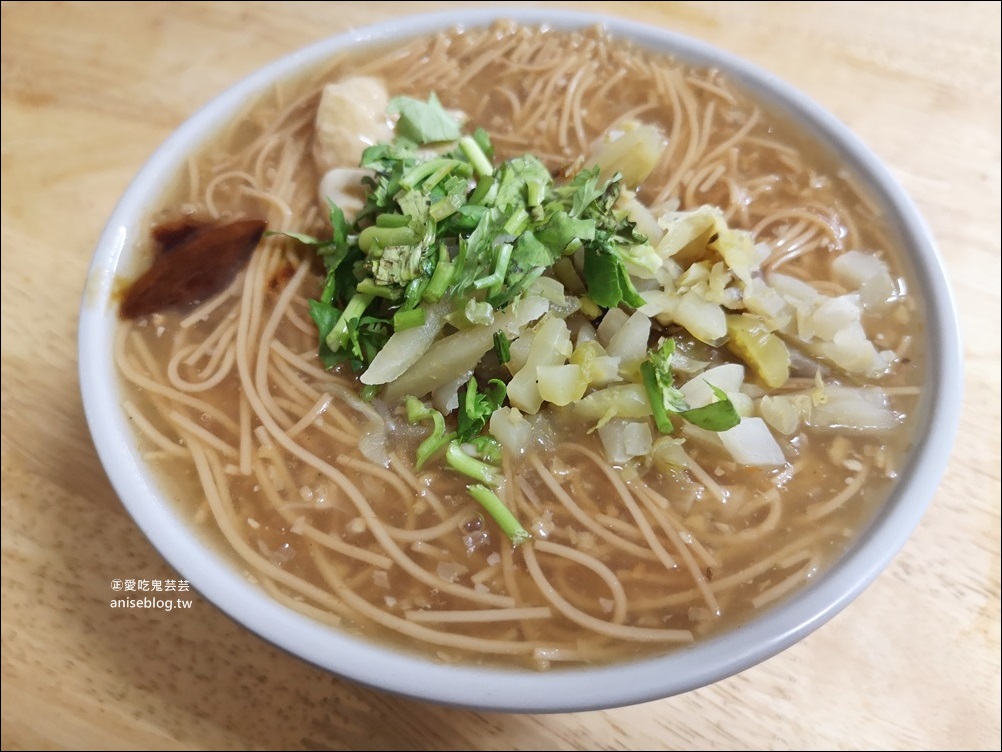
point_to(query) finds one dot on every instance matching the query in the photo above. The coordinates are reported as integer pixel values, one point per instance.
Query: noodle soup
(638, 540)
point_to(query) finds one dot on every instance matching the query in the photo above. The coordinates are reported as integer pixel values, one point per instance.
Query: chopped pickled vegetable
(751, 340)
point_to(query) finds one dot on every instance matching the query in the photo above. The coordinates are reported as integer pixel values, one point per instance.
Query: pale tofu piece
(343, 186)
(351, 116)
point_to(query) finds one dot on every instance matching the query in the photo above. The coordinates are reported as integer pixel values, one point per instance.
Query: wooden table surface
(90, 89)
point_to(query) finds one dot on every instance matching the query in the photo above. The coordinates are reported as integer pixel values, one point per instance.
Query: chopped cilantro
(666, 399)
(424, 122)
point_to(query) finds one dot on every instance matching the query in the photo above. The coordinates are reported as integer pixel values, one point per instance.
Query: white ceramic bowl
(510, 690)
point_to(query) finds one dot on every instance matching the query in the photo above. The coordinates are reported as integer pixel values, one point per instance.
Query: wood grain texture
(90, 89)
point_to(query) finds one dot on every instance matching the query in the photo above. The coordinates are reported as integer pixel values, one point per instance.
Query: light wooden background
(90, 89)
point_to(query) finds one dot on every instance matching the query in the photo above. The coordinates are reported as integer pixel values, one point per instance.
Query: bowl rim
(212, 574)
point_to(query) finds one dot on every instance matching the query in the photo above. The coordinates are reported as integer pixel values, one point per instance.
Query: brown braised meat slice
(193, 264)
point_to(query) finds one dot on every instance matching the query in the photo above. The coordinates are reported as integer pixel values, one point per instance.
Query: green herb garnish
(666, 399)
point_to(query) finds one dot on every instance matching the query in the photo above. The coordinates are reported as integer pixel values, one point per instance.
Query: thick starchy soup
(523, 347)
